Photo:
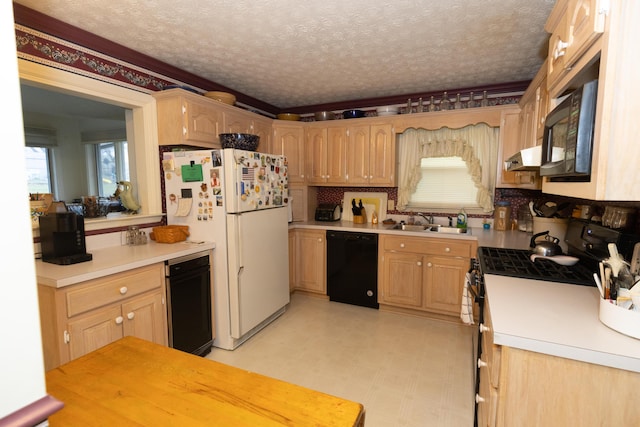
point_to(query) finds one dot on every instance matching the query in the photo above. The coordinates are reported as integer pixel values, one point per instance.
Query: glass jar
(458, 104)
(525, 219)
(445, 104)
(502, 216)
(471, 103)
(484, 102)
(432, 104)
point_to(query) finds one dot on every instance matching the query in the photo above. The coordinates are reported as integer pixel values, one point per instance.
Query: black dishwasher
(352, 268)
(189, 303)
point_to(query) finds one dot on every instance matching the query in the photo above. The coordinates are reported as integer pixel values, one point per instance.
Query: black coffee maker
(62, 238)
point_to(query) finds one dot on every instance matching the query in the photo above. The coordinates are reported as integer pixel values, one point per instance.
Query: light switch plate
(390, 206)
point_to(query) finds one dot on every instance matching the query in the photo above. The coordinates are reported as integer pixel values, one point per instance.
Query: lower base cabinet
(425, 274)
(311, 264)
(521, 388)
(78, 319)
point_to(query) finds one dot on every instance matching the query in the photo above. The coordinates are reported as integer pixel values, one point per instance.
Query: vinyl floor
(407, 371)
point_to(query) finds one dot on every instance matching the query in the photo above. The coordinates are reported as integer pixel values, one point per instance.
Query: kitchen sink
(435, 228)
(411, 227)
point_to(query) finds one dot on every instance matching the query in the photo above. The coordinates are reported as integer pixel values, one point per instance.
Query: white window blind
(445, 183)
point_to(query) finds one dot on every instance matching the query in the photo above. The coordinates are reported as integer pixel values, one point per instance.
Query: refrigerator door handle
(240, 251)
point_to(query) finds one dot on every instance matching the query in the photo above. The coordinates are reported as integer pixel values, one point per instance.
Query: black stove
(517, 263)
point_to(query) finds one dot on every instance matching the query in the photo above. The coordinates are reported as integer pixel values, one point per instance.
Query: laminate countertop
(136, 382)
(556, 319)
(115, 259)
(492, 238)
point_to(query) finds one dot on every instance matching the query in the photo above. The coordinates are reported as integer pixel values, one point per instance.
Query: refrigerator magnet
(191, 172)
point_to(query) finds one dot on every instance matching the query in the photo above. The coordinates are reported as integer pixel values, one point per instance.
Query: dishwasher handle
(351, 236)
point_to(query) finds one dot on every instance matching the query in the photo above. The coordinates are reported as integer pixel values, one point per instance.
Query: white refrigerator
(237, 199)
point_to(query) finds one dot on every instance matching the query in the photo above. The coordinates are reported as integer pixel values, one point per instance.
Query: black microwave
(567, 144)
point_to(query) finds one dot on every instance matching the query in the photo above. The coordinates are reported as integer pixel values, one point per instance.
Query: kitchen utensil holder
(360, 219)
(625, 321)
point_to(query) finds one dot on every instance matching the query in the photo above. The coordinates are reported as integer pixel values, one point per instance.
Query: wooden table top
(139, 383)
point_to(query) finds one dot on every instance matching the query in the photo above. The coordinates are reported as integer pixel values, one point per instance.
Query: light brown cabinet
(574, 25)
(371, 155)
(534, 106)
(607, 58)
(509, 144)
(525, 388)
(358, 155)
(185, 118)
(81, 318)
(325, 155)
(288, 139)
(245, 122)
(425, 274)
(311, 264)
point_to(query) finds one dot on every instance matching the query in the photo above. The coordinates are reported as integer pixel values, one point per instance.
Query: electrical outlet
(390, 205)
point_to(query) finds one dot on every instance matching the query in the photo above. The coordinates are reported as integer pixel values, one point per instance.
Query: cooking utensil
(635, 260)
(549, 247)
(558, 259)
(596, 278)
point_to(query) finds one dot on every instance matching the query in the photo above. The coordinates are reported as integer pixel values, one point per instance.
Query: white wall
(21, 363)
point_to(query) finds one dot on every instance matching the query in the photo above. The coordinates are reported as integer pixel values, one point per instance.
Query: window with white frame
(38, 170)
(445, 183)
(107, 163)
(445, 169)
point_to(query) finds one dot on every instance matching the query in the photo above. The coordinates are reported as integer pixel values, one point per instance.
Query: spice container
(502, 216)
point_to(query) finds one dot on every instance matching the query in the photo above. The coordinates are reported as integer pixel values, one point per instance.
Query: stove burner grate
(517, 263)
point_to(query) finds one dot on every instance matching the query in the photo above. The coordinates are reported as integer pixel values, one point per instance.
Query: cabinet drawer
(97, 293)
(448, 247)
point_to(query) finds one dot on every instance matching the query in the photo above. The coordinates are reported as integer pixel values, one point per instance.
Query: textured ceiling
(294, 53)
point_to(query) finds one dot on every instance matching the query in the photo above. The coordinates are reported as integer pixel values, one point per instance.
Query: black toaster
(328, 212)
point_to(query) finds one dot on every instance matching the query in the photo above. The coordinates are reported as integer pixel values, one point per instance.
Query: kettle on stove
(547, 247)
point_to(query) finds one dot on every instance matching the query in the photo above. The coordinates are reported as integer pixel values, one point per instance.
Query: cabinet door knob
(319, 240)
(119, 320)
(479, 399)
(402, 245)
(560, 49)
(131, 315)
(483, 328)
(481, 363)
(429, 264)
(419, 262)
(447, 249)
(123, 290)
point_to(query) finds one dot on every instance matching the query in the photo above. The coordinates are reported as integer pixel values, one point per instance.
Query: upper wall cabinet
(362, 154)
(535, 106)
(288, 140)
(185, 118)
(510, 143)
(574, 25)
(611, 60)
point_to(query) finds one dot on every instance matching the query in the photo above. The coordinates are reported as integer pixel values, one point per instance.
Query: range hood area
(528, 159)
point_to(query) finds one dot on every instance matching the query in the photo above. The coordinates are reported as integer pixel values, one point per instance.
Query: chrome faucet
(427, 217)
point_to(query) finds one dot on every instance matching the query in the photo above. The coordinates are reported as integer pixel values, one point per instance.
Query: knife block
(360, 219)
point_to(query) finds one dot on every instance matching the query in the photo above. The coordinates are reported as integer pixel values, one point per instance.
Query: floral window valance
(477, 145)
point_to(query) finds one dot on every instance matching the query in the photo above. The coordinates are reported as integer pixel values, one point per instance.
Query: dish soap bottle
(462, 219)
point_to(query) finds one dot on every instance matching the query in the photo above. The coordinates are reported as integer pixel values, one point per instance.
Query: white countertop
(493, 238)
(114, 260)
(556, 319)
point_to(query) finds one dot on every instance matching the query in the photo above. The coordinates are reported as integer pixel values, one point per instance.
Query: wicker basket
(170, 233)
